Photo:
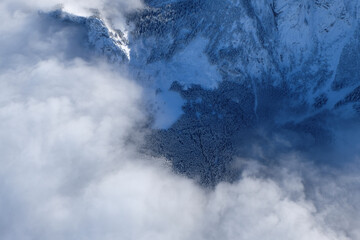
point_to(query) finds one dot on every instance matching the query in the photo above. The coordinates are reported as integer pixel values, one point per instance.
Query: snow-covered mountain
(221, 70)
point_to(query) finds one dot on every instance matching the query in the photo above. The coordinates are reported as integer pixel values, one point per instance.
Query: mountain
(230, 76)
(102, 38)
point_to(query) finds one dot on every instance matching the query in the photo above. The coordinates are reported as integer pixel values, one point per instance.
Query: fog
(71, 125)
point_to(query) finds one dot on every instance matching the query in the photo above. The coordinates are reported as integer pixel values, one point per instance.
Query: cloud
(70, 127)
(14, 11)
(80, 7)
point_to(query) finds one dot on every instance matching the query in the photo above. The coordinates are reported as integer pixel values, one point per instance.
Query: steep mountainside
(223, 71)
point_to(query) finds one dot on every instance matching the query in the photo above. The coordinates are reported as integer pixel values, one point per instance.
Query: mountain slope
(229, 76)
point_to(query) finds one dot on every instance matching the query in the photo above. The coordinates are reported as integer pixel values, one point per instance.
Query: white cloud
(79, 7)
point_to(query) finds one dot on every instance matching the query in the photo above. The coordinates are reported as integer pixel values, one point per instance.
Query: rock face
(247, 72)
(297, 43)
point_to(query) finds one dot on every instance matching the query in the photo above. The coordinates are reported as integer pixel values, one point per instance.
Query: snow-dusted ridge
(104, 39)
(302, 44)
(219, 68)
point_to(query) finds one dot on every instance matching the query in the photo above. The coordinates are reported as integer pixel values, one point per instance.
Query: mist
(72, 126)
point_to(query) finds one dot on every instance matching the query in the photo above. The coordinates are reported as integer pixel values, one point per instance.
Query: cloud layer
(70, 126)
